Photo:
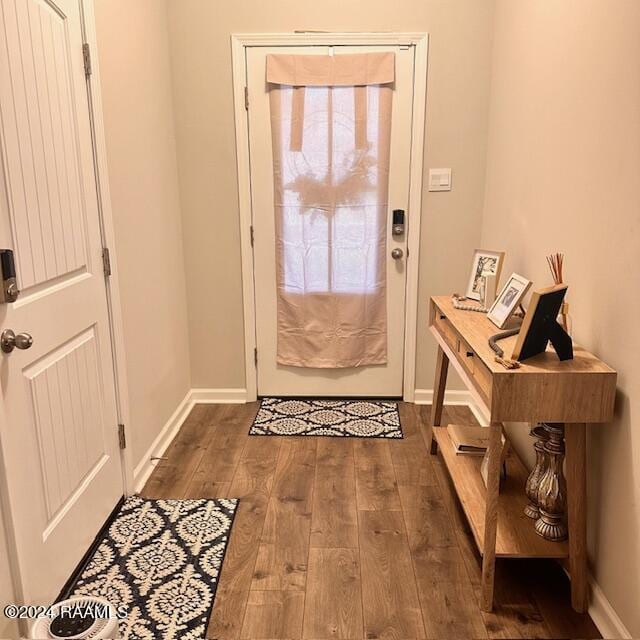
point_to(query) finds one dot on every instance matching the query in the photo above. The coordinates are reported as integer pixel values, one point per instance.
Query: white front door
(59, 425)
(276, 379)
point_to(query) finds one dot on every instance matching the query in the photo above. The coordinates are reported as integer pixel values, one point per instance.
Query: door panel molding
(239, 45)
(66, 395)
(48, 191)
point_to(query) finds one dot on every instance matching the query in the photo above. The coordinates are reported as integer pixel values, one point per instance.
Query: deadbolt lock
(9, 291)
(397, 228)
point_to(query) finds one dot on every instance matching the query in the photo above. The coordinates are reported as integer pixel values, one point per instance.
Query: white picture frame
(507, 301)
(484, 262)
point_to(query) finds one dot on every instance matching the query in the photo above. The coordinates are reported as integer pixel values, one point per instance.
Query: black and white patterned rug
(160, 560)
(346, 418)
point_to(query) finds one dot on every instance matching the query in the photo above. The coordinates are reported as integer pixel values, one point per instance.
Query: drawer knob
(470, 354)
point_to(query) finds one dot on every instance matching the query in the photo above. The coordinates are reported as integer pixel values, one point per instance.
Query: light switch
(439, 179)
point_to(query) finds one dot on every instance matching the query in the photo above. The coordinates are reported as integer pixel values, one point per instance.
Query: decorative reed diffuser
(556, 263)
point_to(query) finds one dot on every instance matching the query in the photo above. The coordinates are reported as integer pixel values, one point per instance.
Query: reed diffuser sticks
(556, 261)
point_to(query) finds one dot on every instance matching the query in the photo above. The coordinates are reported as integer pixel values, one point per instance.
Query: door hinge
(86, 56)
(255, 355)
(246, 98)
(252, 235)
(122, 439)
(106, 262)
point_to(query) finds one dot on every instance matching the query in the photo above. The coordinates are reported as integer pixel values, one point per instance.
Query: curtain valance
(347, 70)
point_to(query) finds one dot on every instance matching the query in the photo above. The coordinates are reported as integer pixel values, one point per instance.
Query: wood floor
(351, 538)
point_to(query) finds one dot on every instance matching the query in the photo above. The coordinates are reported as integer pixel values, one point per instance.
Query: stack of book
(472, 441)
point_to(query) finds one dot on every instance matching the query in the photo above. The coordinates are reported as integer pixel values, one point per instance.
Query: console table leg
(575, 444)
(439, 385)
(491, 517)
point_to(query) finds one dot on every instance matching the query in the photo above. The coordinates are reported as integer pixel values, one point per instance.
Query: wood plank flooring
(351, 538)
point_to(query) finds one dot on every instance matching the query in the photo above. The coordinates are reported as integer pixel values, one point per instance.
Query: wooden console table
(574, 392)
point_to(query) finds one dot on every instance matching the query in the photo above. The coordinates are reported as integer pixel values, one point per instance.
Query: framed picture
(540, 326)
(508, 300)
(484, 263)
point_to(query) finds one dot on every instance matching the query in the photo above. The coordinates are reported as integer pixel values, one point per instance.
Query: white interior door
(59, 424)
(276, 379)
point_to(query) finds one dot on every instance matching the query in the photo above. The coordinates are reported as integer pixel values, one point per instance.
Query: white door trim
(108, 237)
(239, 42)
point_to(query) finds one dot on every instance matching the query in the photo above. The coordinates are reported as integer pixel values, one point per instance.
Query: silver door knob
(10, 341)
(396, 254)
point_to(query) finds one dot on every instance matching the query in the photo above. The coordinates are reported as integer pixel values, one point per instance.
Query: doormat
(160, 560)
(342, 418)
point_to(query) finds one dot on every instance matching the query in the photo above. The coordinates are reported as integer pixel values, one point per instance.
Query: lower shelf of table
(516, 537)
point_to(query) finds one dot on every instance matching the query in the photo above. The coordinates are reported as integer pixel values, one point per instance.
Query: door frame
(112, 288)
(239, 43)
(105, 211)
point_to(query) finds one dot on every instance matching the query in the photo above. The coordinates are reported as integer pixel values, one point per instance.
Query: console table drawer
(483, 379)
(477, 370)
(466, 355)
(450, 335)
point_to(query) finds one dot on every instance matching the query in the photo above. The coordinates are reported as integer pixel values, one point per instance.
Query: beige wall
(563, 175)
(459, 64)
(138, 113)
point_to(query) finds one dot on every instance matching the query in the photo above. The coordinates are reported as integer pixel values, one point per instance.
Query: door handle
(10, 341)
(396, 253)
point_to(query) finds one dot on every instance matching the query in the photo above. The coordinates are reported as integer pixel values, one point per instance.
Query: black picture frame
(540, 326)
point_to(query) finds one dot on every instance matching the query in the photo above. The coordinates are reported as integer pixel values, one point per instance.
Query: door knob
(10, 341)
(396, 254)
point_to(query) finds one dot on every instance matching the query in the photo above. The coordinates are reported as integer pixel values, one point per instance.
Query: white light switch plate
(439, 179)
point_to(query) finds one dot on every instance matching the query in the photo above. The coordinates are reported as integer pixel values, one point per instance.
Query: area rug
(343, 418)
(160, 560)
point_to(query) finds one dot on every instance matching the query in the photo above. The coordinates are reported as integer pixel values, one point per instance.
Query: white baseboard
(218, 396)
(145, 467)
(604, 615)
(425, 396)
(194, 396)
(453, 397)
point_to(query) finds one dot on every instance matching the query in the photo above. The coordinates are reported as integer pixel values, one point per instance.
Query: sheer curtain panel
(331, 129)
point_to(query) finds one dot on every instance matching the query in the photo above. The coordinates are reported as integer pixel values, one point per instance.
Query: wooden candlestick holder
(533, 481)
(552, 491)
